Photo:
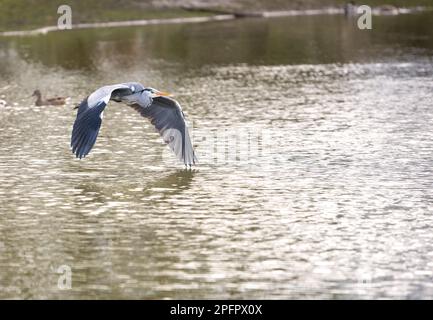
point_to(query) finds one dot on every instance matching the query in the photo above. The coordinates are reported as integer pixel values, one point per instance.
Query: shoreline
(118, 24)
(219, 16)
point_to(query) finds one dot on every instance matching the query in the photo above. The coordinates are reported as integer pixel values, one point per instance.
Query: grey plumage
(163, 112)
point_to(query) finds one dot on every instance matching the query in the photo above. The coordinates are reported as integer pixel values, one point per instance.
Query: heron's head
(139, 94)
(135, 88)
(155, 93)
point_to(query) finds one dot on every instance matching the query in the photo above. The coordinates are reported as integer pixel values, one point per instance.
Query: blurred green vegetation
(29, 14)
(184, 47)
(307, 4)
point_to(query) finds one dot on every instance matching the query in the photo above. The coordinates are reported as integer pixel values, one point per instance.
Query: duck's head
(36, 93)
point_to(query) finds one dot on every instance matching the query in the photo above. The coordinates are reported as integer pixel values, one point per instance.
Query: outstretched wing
(167, 117)
(89, 119)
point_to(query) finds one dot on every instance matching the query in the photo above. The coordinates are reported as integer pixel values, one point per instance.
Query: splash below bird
(164, 113)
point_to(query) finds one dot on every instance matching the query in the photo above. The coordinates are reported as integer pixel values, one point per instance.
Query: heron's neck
(145, 101)
(142, 99)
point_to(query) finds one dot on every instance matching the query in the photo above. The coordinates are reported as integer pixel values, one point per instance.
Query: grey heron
(163, 112)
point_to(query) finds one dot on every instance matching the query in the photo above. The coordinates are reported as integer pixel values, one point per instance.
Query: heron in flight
(163, 112)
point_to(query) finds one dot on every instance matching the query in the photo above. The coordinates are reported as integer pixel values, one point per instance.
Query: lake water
(333, 201)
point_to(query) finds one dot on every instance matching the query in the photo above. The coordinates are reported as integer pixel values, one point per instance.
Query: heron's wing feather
(167, 117)
(89, 119)
(86, 128)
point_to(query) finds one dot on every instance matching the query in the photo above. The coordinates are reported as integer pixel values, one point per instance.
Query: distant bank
(218, 15)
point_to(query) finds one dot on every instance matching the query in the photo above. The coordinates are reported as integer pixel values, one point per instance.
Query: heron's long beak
(161, 93)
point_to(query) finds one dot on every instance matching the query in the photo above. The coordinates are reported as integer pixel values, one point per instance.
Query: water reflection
(255, 41)
(94, 191)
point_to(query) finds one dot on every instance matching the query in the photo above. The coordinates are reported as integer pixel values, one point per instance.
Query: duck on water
(57, 101)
